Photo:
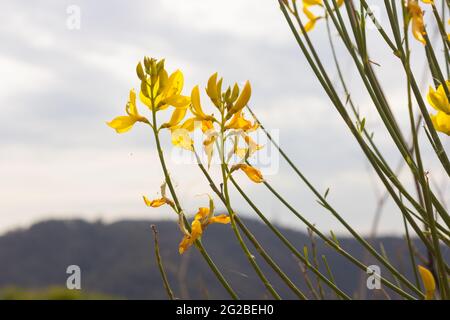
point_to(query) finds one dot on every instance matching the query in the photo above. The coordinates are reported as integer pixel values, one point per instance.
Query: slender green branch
(160, 265)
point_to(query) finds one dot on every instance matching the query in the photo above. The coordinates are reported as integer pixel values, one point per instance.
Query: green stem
(231, 213)
(179, 209)
(160, 265)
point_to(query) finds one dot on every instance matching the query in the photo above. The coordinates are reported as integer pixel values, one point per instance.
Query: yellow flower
(428, 282)
(251, 172)
(157, 202)
(203, 218)
(124, 123)
(418, 28)
(163, 89)
(312, 19)
(428, 1)
(439, 101)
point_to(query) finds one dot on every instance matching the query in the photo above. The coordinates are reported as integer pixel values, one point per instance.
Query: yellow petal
(196, 230)
(211, 89)
(122, 124)
(174, 84)
(428, 282)
(238, 122)
(188, 240)
(131, 105)
(196, 106)
(156, 202)
(441, 122)
(223, 219)
(145, 100)
(177, 115)
(438, 98)
(251, 172)
(176, 100)
(418, 28)
(207, 125)
(184, 244)
(202, 213)
(190, 124)
(242, 100)
(308, 3)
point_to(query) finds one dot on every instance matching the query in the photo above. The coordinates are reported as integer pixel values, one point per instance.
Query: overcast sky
(58, 86)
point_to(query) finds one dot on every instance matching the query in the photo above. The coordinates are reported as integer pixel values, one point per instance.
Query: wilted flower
(416, 13)
(251, 172)
(203, 218)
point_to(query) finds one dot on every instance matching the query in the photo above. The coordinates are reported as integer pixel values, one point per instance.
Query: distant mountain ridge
(118, 259)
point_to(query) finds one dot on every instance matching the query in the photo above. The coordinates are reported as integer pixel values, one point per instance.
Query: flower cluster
(160, 91)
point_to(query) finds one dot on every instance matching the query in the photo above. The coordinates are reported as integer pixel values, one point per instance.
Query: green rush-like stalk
(381, 104)
(251, 237)
(179, 209)
(328, 87)
(231, 213)
(160, 264)
(440, 151)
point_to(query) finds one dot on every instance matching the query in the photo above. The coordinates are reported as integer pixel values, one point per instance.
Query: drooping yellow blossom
(418, 27)
(251, 172)
(157, 202)
(124, 123)
(312, 18)
(238, 122)
(203, 218)
(428, 282)
(439, 101)
(428, 1)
